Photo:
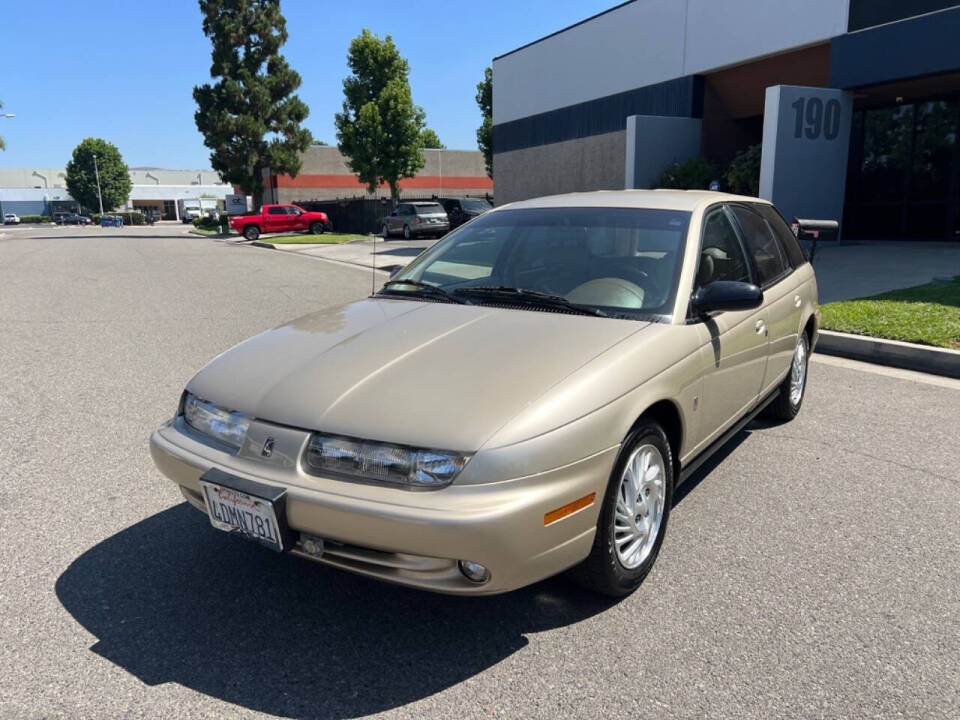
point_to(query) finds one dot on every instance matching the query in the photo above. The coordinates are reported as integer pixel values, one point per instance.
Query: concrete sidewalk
(854, 270)
(384, 255)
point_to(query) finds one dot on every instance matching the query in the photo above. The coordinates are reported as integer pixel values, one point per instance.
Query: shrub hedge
(35, 218)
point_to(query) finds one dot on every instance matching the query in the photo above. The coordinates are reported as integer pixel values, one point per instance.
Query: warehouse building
(856, 104)
(42, 191)
(325, 175)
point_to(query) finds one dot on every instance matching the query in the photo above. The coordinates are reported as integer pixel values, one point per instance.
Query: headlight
(221, 424)
(396, 464)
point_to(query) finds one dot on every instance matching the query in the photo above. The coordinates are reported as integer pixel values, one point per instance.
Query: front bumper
(406, 537)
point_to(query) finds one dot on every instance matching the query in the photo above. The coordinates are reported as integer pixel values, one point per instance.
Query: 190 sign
(814, 119)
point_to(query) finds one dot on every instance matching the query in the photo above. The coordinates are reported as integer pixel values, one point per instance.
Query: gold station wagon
(521, 400)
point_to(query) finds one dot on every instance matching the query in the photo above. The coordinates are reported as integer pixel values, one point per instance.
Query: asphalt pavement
(810, 570)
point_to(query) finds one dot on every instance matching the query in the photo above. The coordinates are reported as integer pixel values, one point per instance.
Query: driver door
(737, 340)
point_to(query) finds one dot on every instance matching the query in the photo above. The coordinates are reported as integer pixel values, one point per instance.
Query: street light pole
(96, 172)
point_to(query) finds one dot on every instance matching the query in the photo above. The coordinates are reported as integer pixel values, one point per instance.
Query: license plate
(236, 511)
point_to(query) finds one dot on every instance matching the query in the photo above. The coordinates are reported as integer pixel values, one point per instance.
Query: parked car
(70, 218)
(522, 399)
(461, 210)
(11, 219)
(280, 218)
(415, 219)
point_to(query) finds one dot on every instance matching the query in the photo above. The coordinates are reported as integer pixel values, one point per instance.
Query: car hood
(427, 374)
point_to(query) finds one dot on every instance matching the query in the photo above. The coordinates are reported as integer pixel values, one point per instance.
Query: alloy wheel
(798, 371)
(640, 506)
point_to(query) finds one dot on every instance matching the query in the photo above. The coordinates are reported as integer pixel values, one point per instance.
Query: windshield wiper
(532, 298)
(424, 288)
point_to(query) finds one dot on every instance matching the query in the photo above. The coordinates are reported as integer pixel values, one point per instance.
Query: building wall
(596, 162)
(644, 42)
(325, 175)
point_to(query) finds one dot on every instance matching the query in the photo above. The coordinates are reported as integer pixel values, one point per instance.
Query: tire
(407, 235)
(251, 232)
(790, 398)
(385, 232)
(317, 227)
(622, 554)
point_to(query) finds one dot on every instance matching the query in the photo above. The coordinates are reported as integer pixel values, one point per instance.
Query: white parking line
(899, 373)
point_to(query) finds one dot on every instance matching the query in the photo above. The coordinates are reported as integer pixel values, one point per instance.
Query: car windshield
(429, 209)
(476, 205)
(622, 261)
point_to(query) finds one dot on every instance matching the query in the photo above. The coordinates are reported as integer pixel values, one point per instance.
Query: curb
(909, 356)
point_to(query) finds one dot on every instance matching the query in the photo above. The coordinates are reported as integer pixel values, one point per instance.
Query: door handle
(761, 327)
(797, 302)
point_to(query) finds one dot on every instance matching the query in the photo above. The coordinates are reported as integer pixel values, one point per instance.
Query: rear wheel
(406, 232)
(794, 385)
(317, 227)
(384, 231)
(633, 518)
(251, 232)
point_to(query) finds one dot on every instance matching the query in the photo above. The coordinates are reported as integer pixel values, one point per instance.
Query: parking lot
(811, 569)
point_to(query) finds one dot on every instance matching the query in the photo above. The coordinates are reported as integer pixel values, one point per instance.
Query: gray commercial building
(856, 104)
(42, 191)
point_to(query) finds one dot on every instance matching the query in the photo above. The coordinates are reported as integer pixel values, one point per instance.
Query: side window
(291, 210)
(788, 241)
(762, 245)
(721, 255)
(276, 211)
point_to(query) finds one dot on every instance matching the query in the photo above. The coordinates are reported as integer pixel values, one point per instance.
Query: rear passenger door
(781, 294)
(275, 220)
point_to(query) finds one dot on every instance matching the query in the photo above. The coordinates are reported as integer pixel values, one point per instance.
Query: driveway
(813, 569)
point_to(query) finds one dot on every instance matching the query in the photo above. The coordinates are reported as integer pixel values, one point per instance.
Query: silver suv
(414, 219)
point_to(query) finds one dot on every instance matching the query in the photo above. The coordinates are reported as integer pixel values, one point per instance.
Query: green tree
(694, 174)
(743, 174)
(380, 128)
(485, 131)
(82, 176)
(250, 117)
(431, 140)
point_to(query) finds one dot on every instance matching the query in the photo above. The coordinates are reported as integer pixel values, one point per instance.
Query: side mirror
(722, 295)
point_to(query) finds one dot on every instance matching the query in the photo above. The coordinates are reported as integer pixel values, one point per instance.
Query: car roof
(688, 200)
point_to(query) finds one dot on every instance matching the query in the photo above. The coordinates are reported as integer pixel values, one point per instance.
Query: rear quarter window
(788, 241)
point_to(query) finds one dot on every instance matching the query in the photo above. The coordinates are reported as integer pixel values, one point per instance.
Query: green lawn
(304, 239)
(926, 314)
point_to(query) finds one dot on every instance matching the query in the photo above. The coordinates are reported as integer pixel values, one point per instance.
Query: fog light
(474, 572)
(311, 544)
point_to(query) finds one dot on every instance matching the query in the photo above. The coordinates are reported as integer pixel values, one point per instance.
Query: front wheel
(633, 517)
(794, 385)
(251, 232)
(317, 227)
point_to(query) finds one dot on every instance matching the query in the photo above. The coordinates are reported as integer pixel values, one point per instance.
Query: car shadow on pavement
(714, 461)
(170, 599)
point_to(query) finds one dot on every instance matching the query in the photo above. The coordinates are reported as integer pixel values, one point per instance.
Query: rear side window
(762, 245)
(788, 240)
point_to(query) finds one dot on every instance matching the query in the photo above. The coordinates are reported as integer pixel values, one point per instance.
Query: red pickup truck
(280, 218)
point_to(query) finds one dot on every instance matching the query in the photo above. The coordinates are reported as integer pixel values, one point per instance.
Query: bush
(743, 174)
(129, 218)
(208, 223)
(35, 218)
(694, 174)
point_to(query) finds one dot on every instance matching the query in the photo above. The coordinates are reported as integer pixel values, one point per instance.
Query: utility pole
(96, 172)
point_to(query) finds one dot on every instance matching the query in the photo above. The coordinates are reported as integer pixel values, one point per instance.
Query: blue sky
(124, 69)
